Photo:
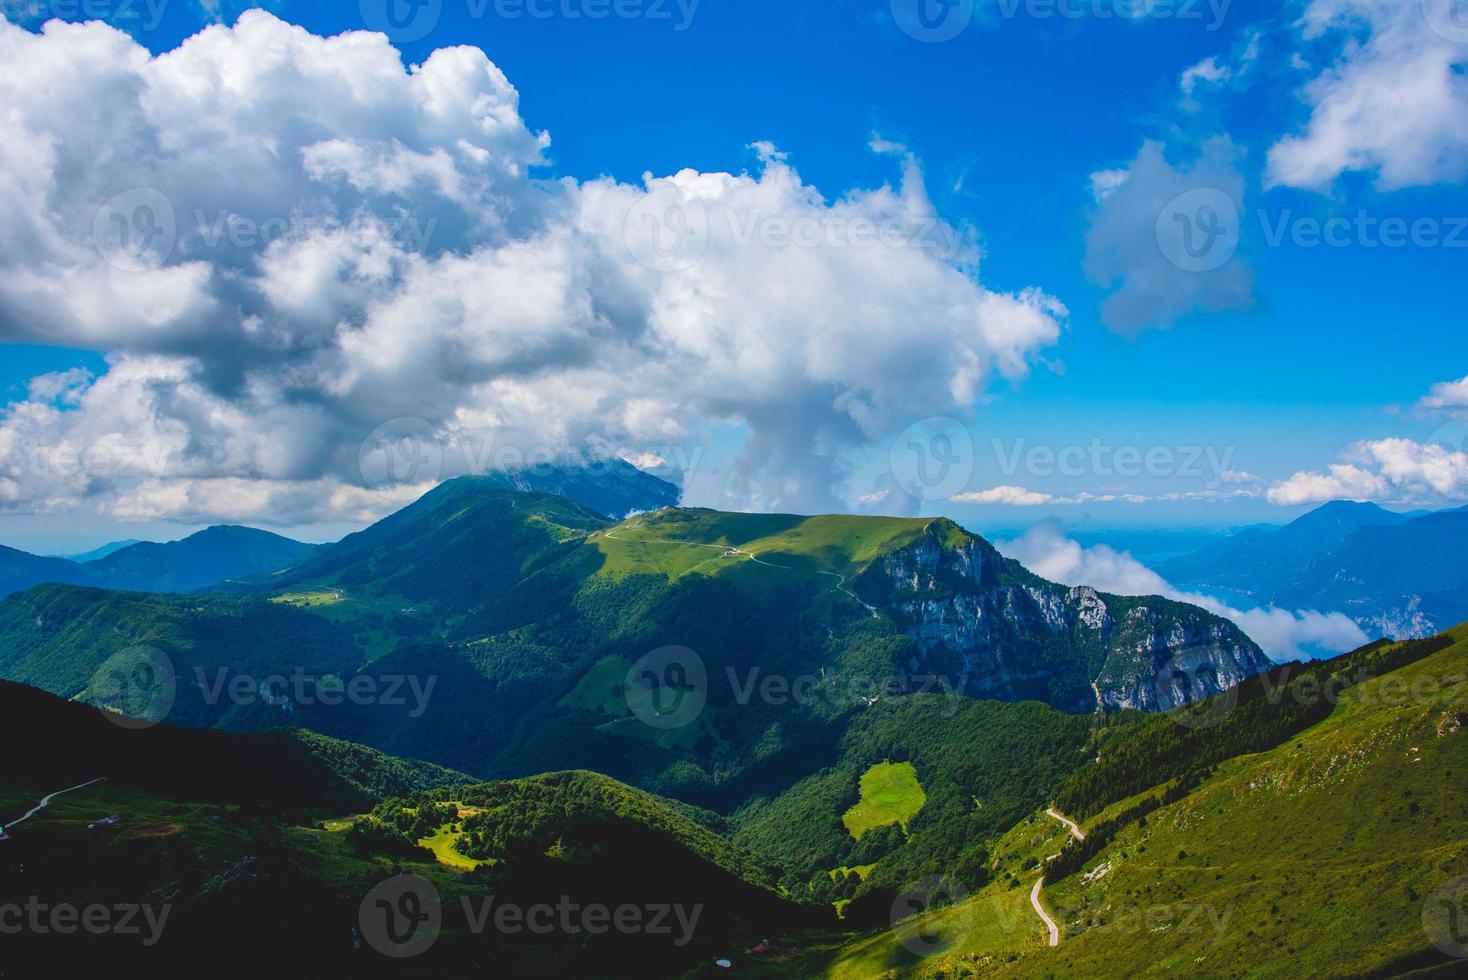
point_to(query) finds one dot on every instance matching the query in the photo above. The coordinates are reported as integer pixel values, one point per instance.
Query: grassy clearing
(442, 846)
(600, 689)
(371, 617)
(862, 870)
(890, 793)
(310, 600)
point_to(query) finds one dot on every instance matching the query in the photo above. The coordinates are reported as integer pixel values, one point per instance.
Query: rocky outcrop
(1013, 635)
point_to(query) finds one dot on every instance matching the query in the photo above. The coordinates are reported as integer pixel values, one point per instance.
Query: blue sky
(1323, 348)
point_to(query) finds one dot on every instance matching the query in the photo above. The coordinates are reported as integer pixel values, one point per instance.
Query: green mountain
(527, 612)
(206, 558)
(796, 724)
(20, 570)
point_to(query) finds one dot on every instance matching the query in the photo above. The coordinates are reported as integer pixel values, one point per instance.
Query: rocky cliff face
(1013, 635)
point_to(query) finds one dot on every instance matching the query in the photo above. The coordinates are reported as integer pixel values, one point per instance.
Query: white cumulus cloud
(1164, 237)
(283, 241)
(1447, 394)
(1392, 99)
(1016, 496)
(1398, 470)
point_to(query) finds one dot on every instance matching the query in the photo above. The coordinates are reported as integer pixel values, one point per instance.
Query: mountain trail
(1075, 830)
(45, 800)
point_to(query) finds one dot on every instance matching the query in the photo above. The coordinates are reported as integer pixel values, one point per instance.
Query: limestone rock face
(1012, 635)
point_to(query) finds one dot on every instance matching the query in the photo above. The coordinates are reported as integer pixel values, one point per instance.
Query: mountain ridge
(1394, 574)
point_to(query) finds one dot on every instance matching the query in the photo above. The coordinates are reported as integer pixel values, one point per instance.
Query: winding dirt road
(1070, 824)
(47, 799)
(1040, 911)
(1078, 834)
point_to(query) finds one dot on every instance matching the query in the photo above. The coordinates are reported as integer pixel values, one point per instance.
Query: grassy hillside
(1316, 857)
(61, 638)
(452, 550)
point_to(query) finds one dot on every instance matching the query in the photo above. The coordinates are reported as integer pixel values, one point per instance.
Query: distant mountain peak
(102, 552)
(1357, 512)
(612, 487)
